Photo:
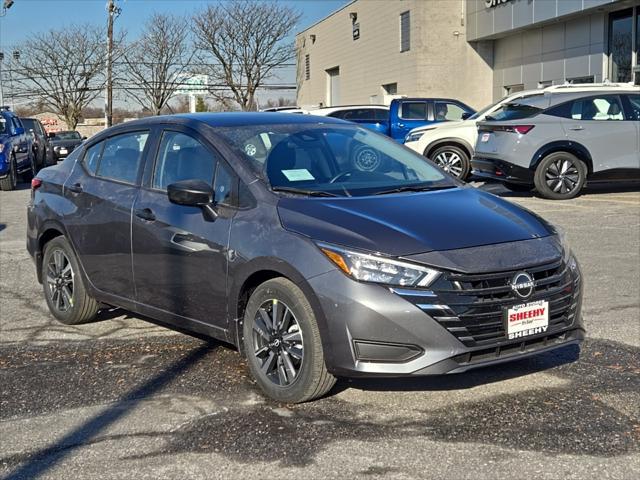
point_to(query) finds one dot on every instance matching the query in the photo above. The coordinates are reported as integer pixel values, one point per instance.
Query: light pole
(6, 5)
(113, 12)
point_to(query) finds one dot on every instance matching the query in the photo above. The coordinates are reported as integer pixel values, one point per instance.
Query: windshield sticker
(298, 175)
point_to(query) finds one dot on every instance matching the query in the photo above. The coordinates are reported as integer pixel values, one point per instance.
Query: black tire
(33, 170)
(268, 349)
(10, 182)
(453, 160)
(73, 305)
(518, 187)
(560, 176)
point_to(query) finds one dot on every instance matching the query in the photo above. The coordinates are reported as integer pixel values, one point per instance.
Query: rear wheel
(282, 343)
(10, 182)
(560, 176)
(64, 288)
(453, 160)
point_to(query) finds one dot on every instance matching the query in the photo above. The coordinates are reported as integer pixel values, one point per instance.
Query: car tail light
(35, 183)
(522, 129)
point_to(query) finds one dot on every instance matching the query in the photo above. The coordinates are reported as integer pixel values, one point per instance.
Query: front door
(599, 123)
(180, 257)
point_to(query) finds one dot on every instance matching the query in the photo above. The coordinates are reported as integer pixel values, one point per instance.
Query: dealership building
(473, 50)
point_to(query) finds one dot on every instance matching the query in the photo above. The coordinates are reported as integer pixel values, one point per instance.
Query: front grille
(471, 307)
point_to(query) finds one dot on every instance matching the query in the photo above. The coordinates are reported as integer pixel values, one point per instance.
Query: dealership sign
(494, 3)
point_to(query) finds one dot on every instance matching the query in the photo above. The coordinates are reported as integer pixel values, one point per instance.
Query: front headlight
(413, 137)
(373, 268)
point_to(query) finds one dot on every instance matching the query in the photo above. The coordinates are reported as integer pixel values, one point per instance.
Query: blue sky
(29, 16)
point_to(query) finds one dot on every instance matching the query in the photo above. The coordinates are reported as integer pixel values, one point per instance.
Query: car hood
(411, 223)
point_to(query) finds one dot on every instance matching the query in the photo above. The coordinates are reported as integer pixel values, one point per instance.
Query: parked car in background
(451, 144)
(401, 116)
(16, 153)
(311, 265)
(42, 149)
(556, 143)
(64, 143)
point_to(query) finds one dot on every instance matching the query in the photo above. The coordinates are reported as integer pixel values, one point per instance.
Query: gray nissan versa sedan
(317, 247)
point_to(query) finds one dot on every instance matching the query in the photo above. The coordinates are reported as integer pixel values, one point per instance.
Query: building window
(587, 79)
(509, 89)
(390, 89)
(405, 31)
(620, 45)
(307, 67)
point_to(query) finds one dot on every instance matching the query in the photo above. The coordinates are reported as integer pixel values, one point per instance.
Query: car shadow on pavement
(44, 460)
(594, 189)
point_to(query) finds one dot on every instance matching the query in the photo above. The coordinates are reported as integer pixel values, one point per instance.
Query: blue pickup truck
(403, 115)
(16, 152)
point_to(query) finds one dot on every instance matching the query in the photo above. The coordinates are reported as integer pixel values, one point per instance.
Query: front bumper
(372, 330)
(502, 171)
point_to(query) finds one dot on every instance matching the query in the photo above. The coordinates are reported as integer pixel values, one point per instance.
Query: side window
(634, 101)
(182, 157)
(413, 110)
(447, 111)
(13, 125)
(92, 157)
(564, 110)
(338, 114)
(381, 115)
(223, 186)
(121, 156)
(597, 108)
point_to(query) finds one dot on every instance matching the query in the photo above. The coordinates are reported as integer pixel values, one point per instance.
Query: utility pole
(112, 13)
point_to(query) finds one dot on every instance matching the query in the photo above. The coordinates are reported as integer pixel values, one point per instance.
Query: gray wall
(485, 23)
(555, 53)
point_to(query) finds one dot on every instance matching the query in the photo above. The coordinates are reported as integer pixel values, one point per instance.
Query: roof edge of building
(325, 18)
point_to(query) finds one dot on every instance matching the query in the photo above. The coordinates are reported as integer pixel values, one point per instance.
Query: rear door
(179, 257)
(100, 191)
(599, 123)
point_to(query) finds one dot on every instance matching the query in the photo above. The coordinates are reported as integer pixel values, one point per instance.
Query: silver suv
(556, 142)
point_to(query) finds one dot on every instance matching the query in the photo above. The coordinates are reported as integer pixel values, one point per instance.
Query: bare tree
(246, 40)
(157, 62)
(62, 70)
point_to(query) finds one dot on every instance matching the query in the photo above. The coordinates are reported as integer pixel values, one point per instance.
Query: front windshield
(67, 136)
(332, 159)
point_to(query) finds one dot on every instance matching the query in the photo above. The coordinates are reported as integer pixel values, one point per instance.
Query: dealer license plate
(485, 137)
(527, 319)
(63, 151)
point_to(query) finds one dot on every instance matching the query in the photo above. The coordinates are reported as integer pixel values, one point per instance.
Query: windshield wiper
(301, 191)
(414, 188)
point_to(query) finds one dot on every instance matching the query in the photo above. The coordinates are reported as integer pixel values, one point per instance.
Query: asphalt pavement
(123, 398)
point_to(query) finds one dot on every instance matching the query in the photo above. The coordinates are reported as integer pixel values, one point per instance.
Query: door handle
(576, 127)
(145, 214)
(75, 188)
(401, 125)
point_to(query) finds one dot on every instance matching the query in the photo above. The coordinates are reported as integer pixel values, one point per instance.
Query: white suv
(451, 144)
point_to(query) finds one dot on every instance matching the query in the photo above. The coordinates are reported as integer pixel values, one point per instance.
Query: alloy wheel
(60, 277)
(562, 176)
(277, 342)
(450, 162)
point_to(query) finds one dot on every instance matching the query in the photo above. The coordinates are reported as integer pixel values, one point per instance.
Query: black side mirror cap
(51, 135)
(194, 193)
(466, 115)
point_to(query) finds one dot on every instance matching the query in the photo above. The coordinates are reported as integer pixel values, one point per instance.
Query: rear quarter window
(513, 111)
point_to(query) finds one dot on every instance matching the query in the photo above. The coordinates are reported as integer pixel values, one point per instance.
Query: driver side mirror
(194, 193)
(51, 135)
(466, 115)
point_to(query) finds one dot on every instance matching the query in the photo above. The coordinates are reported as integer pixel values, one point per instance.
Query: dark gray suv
(317, 247)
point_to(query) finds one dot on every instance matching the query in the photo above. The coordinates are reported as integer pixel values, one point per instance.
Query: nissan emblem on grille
(522, 284)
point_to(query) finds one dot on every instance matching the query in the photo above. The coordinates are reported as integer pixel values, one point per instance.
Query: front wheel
(453, 160)
(560, 176)
(64, 288)
(282, 343)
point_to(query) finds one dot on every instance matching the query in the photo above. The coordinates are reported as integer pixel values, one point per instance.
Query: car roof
(231, 119)
(347, 107)
(549, 99)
